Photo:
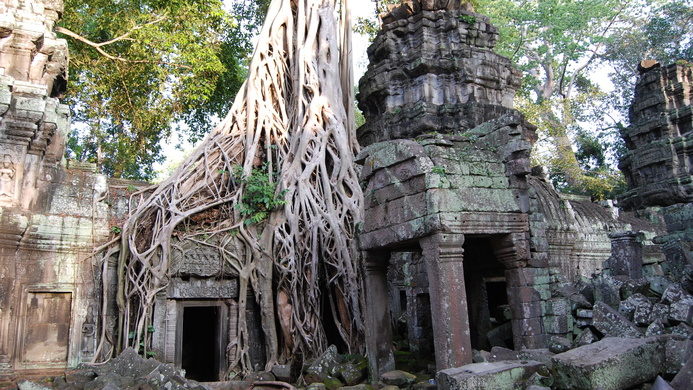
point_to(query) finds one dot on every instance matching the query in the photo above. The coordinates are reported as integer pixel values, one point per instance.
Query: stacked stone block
(659, 163)
(432, 68)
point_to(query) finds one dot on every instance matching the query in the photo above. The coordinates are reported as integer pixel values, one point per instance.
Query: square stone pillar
(378, 324)
(626, 254)
(443, 254)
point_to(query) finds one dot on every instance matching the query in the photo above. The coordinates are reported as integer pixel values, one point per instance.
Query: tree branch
(98, 46)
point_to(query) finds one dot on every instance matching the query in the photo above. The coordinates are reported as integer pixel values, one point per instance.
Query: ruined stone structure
(481, 247)
(659, 163)
(54, 213)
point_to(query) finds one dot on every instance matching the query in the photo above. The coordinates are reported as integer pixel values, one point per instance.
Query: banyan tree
(273, 188)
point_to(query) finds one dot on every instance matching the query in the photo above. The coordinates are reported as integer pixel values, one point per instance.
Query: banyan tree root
(291, 120)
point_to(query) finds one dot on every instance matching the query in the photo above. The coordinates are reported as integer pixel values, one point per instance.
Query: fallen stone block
(683, 380)
(674, 293)
(678, 350)
(398, 378)
(660, 312)
(661, 384)
(634, 303)
(610, 364)
(656, 328)
(559, 344)
(611, 323)
(585, 338)
(682, 311)
(508, 374)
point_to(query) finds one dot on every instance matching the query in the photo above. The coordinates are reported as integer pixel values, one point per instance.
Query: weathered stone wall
(52, 212)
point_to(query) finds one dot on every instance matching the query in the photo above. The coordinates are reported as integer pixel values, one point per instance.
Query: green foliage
(469, 19)
(177, 66)
(260, 196)
(438, 170)
(116, 229)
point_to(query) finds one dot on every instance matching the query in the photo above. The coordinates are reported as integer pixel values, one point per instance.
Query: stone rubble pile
(629, 333)
(127, 371)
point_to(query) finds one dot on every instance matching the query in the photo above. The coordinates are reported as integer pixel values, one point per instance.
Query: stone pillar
(626, 254)
(443, 254)
(378, 324)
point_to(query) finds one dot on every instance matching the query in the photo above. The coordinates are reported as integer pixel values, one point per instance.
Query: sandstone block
(508, 374)
(610, 364)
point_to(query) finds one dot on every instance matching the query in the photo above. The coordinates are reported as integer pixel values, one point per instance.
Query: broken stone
(655, 328)
(332, 383)
(541, 355)
(586, 337)
(398, 378)
(389, 387)
(559, 344)
(683, 380)
(607, 290)
(577, 300)
(681, 329)
(316, 386)
(28, 385)
(660, 312)
(661, 384)
(610, 364)
(611, 323)
(635, 301)
(425, 385)
(584, 313)
(323, 366)
(492, 375)
(658, 284)
(282, 372)
(682, 310)
(674, 293)
(350, 373)
(678, 350)
(480, 356)
(501, 353)
(634, 286)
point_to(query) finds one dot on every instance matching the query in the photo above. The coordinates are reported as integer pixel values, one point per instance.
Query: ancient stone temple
(55, 212)
(461, 239)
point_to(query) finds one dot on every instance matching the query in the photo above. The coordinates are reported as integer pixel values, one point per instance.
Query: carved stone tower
(33, 123)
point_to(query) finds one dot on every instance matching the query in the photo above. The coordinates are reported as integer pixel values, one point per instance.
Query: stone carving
(203, 288)
(8, 173)
(190, 258)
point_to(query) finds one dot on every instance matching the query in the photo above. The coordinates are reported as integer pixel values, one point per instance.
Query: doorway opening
(201, 344)
(487, 298)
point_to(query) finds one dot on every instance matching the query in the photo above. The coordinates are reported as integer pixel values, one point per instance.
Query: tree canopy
(140, 69)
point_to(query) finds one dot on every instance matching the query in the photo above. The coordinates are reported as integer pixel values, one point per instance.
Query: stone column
(378, 324)
(443, 254)
(626, 254)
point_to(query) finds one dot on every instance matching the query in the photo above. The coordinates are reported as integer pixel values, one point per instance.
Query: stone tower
(432, 68)
(33, 123)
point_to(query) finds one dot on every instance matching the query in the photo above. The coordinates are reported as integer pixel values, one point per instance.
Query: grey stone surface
(609, 364)
(506, 374)
(398, 378)
(611, 323)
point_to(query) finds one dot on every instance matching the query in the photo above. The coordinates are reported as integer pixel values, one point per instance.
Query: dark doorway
(487, 298)
(200, 355)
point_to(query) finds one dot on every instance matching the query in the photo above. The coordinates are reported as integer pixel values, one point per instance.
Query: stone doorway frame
(221, 332)
(444, 258)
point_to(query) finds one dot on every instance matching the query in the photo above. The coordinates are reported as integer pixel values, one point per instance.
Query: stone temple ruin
(466, 247)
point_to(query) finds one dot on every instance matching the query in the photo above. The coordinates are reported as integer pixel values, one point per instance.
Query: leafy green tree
(140, 69)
